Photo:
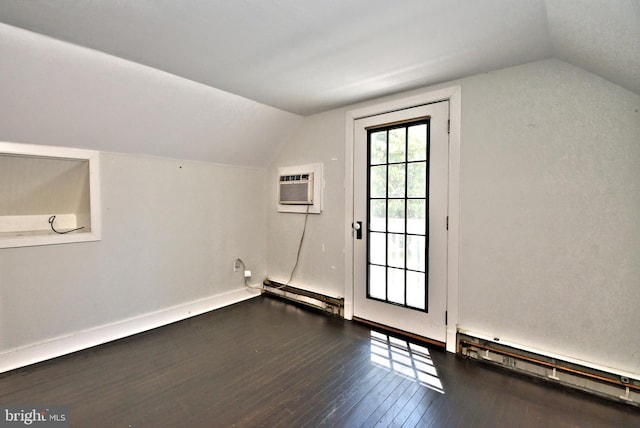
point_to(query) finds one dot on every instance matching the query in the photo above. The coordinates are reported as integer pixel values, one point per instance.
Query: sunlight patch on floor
(406, 359)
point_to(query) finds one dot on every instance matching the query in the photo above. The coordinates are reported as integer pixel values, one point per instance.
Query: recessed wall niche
(48, 195)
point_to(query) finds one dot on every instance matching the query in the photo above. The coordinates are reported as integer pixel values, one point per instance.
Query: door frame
(453, 95)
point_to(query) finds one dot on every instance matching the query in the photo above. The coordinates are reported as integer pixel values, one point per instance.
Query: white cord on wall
(244, 268)
(304, 229)
(295, 266)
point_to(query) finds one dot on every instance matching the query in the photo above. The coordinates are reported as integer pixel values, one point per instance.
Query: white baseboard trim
(452, 340)
(56, 347)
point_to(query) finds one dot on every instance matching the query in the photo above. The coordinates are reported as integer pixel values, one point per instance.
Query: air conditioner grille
(296, 189)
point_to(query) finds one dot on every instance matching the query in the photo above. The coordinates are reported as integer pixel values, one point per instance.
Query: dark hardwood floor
(268, 363)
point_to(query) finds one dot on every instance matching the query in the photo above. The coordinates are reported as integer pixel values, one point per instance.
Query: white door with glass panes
(400, 219)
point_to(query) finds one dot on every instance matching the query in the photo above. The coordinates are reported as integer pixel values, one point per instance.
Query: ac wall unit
(295, 189)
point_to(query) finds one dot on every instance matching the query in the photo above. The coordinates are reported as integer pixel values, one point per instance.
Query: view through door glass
(397, 195)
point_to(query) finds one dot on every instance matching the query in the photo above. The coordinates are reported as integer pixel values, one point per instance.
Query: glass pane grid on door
(398, 184)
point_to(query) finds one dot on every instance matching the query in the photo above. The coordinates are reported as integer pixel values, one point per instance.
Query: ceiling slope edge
(600, 37)
(61, 94)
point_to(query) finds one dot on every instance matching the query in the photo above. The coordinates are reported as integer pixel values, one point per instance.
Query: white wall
(171, 231)
(550, 191)
(321, 268)
(550, 196)
(171, 228)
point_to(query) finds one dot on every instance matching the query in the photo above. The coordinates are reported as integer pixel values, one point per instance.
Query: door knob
(357, 226)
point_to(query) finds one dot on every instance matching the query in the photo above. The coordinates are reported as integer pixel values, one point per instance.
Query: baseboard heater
(595, 381)
(332, 305)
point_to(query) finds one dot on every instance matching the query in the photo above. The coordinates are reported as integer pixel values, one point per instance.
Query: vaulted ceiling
(307, 56)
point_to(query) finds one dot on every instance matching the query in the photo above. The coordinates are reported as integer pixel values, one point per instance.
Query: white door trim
(453, 94)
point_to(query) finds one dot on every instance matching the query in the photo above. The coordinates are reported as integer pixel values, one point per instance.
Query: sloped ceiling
(601, 36)
(268, 62)
(59, 94)
(306, 56)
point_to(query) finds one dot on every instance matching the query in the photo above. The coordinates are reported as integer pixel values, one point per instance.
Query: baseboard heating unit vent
(332, 305)
(620, 387)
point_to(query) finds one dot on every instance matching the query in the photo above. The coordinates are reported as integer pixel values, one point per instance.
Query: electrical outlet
(236, 266)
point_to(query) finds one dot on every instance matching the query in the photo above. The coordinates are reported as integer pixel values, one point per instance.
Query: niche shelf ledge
(39, 182)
